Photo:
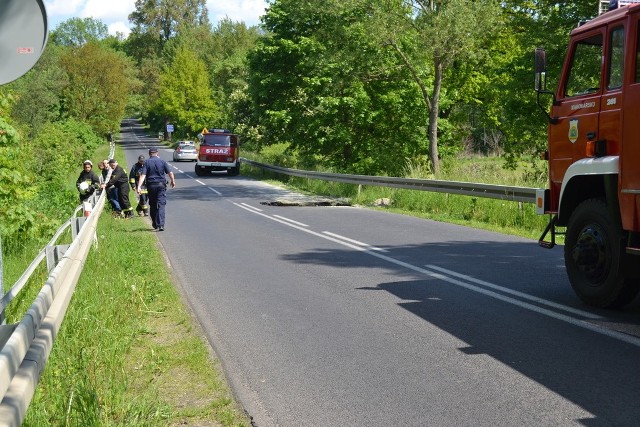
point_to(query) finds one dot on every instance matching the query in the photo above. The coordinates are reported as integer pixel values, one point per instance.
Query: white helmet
(83, 187)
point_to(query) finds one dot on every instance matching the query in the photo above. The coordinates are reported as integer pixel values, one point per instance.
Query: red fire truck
(219, 151)
(594, 157)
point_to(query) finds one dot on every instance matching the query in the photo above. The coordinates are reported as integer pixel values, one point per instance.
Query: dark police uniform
(156, 171)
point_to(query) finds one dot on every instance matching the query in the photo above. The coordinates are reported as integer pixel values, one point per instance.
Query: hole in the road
(311, 202)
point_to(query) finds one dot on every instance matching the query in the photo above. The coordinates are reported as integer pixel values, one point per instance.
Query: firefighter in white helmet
(87, 182)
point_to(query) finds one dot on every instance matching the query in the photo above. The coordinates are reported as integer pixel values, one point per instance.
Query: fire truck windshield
(219, 140)
(584, 76)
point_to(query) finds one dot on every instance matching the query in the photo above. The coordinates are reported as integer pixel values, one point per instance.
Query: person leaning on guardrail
(112, 192)
(103, 173)
(120, 180)
(87, 182)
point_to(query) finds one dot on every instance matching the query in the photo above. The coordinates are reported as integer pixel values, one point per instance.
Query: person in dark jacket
(155, 172)
(88, 182)
(120, 181)
(143, 198)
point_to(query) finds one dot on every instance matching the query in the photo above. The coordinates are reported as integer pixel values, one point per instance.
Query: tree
(15, 217)
(430, 37)
(509, 97)
(39, 93)
(99, 86)
(320, 82)
(226, 55)
(185, 94)
(158, 21)
(77, 32)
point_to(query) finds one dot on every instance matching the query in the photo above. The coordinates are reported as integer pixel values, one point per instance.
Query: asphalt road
(345, 316)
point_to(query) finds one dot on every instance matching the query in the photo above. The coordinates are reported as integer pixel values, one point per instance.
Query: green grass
(129, 352)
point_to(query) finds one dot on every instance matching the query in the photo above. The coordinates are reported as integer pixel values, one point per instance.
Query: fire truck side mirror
(540, 70)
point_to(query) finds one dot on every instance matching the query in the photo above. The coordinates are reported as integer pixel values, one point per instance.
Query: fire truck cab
(594, 157)
(218, 151)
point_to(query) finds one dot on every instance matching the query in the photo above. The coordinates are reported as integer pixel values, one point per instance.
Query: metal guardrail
(501, 192)
(26, 346)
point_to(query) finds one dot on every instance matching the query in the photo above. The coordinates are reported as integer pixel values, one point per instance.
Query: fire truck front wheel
(200, 171)
(594, 257)
(234, 171)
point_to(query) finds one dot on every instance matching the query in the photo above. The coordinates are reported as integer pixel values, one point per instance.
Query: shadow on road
(598, 373)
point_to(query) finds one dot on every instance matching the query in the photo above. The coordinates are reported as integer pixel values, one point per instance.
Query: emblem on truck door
(573, 130)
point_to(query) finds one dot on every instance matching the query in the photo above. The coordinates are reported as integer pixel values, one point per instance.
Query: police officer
(88, 181)
(143, 198)
(120, 180)
(155, 171)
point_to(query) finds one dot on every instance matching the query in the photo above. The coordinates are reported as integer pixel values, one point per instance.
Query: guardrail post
(2, 317)
(5, 333)
(54, 255)
(76, 226)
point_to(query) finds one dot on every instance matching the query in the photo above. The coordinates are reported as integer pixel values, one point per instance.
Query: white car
(186, 150)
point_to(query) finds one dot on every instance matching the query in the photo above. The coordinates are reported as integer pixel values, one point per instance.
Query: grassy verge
(128, 352)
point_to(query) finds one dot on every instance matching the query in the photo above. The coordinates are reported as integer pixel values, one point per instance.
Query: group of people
(148, 178)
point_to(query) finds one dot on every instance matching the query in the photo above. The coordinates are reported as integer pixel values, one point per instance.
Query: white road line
(297, 227)
(291, 221)
(629, 339)
(253, 209)
(519, 294)
(365, 245)
(205, 184)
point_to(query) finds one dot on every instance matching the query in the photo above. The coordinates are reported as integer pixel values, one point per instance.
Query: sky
(114, 13)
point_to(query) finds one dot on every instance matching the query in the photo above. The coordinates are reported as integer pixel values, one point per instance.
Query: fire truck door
(577, 110)
(630, 142)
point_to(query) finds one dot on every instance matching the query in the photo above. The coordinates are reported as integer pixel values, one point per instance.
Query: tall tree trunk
(433, 118)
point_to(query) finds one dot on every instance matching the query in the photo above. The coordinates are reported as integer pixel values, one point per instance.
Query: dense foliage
(51, 120)
(364, 86)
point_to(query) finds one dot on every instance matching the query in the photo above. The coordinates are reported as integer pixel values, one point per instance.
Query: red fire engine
(594, 157)
(219, 151)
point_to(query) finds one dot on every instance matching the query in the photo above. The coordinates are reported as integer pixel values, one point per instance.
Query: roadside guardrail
(502, 192)
(25, 347)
